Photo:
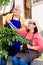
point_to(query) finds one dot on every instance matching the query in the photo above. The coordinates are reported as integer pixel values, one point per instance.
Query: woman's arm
(22, 32)
(34, 47)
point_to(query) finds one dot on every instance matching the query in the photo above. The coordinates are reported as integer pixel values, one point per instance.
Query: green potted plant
(7, 37)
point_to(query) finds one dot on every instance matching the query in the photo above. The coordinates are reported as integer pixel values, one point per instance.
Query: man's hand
(7, 21)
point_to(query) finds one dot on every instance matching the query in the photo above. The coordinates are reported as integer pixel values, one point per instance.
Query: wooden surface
(1, 21)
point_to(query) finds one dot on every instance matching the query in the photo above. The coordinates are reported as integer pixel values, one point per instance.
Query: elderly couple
(30, 32)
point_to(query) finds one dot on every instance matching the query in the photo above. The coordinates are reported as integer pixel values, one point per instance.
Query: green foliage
(7, 37)
(4, 2)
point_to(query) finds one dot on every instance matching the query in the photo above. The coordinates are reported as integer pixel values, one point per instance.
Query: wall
(37, 14)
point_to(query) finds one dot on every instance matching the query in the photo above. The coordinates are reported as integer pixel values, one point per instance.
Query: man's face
(16, 11)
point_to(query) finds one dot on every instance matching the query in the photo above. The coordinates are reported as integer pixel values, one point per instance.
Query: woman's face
(31, 25)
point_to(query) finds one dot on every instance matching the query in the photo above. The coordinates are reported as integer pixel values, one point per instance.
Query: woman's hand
(33, 47)
(28, 46)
